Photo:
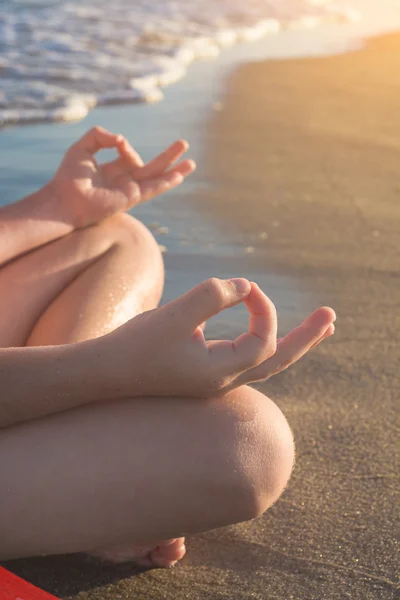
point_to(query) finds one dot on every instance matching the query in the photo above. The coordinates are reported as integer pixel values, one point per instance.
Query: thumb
(206, 300)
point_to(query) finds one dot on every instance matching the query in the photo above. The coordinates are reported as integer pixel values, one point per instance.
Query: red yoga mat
(15, 588)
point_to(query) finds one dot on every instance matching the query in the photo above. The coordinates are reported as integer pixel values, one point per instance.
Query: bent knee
(263, 448)
(127, 231)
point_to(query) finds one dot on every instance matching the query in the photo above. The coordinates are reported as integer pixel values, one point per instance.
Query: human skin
(83, 193)
(84, 352)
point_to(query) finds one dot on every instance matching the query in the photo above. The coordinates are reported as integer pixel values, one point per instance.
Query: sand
(305, 158)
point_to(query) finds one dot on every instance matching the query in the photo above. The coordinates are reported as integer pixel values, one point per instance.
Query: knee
(127, 232)
(121, 233)
(135, 248)
(260, 449)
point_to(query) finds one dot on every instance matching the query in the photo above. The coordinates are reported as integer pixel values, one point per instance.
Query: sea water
(61, 58)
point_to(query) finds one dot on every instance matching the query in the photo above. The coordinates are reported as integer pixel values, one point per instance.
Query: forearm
(38, 381)
(30, 223)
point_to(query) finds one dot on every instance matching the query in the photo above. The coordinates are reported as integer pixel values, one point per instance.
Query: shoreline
(154, 68)
(269, 39)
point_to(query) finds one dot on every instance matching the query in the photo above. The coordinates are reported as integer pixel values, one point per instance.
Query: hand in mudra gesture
(88, 192)
(163, 352)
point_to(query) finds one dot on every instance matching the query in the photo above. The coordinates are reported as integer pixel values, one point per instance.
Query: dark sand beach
(305, 160)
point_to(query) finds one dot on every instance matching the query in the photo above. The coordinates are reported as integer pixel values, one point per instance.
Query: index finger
(259, 343)
(129, 154)
(96, 139)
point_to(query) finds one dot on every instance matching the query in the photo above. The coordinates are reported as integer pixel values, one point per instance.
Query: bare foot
(165, 554)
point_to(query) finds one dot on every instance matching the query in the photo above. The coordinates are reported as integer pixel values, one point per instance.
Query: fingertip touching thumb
(241, 285)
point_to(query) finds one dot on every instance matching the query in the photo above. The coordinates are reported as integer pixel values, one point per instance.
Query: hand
(88, 192)
(163, 352)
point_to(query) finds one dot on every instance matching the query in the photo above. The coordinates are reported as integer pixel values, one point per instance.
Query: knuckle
(213, 287)
(263, 350)
(97, 130)
(249, 362)
(270, 348)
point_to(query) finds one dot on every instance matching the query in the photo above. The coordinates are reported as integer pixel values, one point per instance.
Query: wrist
(43, 207)
(116, 365)
(90, 371)
(31, 222)
(55, 206)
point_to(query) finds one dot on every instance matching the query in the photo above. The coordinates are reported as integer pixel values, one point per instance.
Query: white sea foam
(59, 59)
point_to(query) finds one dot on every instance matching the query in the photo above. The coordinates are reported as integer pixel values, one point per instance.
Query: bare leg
(105, 478)
(80, 286)
(68, 291)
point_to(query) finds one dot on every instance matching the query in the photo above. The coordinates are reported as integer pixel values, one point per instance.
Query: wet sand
(304, 159)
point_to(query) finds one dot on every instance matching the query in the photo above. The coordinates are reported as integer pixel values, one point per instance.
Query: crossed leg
(145, 469)
(80, 286)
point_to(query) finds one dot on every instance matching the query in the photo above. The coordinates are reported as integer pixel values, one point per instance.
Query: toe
(165, 554)
(168, 553)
